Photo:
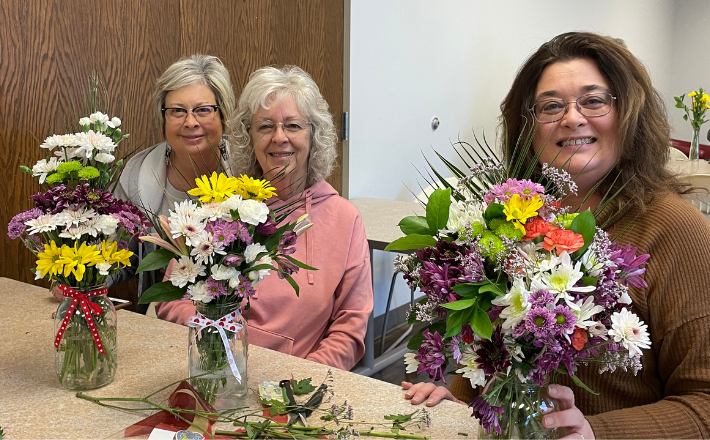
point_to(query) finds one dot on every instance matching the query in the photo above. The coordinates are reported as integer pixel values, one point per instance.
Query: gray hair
(273, 84)
(198, 68)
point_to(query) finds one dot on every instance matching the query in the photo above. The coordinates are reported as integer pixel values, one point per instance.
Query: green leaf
(302, 386)
(259, 267)
(585, 225)
(582, 385)
(411, 242)
(589, 281)
(162, 292)
(454, 322)
(485, 300)
(155, 260)
(298, 263)
(494, 210)
(437, 209)
(293, 283)
(459, 305)
(277, 407)
(467, 290)
(497, 289)
(415, 224)
(481, 323)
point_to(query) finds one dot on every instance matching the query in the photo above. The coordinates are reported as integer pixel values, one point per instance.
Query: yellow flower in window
(519, 210)
(50, 262)
(255, 189)
(216, 188)
(79, 259)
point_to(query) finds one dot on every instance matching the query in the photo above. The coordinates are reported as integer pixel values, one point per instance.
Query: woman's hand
(433, 394)
(57, 293)
(568, 417)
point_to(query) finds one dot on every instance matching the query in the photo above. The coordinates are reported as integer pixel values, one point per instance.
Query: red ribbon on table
(87, 307)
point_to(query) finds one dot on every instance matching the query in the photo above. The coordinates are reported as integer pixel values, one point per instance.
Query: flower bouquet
(223, 244)
(699, 103)
(79, 233)
(517, 287)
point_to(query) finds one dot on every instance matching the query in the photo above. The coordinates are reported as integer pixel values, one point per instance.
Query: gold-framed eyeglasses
(201, 113)
(592, 105)
(290, 127)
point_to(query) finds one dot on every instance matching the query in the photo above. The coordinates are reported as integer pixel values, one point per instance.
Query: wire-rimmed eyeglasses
(201, 113)
(268, 127)
(592, 105)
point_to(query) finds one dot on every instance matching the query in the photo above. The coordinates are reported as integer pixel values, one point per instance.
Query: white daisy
(591, 263)
(43, 223)
(516, 304)
(198, 292)
(411, 363)
(59, 140)
(627, 329)
(470, 370)
(584, 311)
(185, 271)
(462, 214)
(252, 251)
(76, 232)
(42, 168)
(186, 208)
(214, 211)
(76, 215)
(90, 141)
(561, 280)
(220, 272)
(205, 250)
(66, 153)
(188, 227)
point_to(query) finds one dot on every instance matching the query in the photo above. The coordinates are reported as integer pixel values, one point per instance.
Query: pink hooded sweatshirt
(328, 321)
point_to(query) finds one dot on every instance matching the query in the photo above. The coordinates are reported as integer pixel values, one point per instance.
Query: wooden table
(151, 354)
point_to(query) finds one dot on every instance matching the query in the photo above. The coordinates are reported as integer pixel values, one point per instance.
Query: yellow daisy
(519, 210)
(256, 189)
(216, 187)
(79, 259)
(50, 262)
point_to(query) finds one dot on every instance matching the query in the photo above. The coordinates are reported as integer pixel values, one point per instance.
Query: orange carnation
(563, 240)
(579, 338)
(536, 227)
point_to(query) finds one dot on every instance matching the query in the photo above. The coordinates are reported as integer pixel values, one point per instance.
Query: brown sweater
(670, 397)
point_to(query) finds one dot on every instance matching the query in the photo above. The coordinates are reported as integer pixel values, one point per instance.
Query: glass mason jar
(524, 404)
(78, 362)
(207, 358)
(694, 153)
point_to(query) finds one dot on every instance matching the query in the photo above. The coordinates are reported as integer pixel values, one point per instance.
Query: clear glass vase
(694, 153)
(208, 358)
(524, 404)
(78, 362)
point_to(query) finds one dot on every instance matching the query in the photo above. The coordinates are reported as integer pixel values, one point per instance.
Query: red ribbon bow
(87, 307)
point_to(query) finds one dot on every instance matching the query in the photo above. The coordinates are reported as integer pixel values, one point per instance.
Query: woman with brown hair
(592, 110)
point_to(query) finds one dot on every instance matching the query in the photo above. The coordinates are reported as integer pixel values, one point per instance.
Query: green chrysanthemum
(55, 178)
(565, 220)
(69, 167)
(495, 223)
(88, 173)
(490, 244)
(509, 230)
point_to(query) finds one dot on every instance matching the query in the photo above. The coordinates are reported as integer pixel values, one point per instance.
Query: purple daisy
(431, 356)
(527, 188)
(541, 297)
(222, 232)
(215, 288)
(242, 232)
(486, 414)
(564, 320)
(93, 197)
(502, 192)
(244, 289)
(540, 321)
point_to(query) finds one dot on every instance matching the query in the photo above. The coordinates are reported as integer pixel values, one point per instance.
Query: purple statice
(493, 356)
(267, 228)
(244, 289)
(541, 297)
(629, 265)
(287, 243)
(222, 232)
(486, 414)
(564, 320)
(285, 267)
(232, 260)
(431, 356)
(94, 197)
(472, 265)
(215, 288)
(540, 321)
(242, 231)
(561, 179)
(17, 226)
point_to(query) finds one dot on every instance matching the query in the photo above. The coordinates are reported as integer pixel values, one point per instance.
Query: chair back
(676, 154)
(701, 197)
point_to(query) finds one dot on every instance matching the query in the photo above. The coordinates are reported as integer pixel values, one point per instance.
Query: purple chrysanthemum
(486, 414)
(96, 198)
(242, 232)
(222, 232)
(493, 356)
(244, 289)
(564, 320)
(215, 288)
(17, 225)
(541, 297)
(431, 356)
(629, 265)
(540, 321)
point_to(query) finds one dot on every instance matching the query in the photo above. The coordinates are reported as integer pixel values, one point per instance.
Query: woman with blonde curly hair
(285, 133)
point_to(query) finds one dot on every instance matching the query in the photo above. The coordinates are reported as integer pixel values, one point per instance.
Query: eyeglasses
(266, 127)
(590, 106)
(201, 113)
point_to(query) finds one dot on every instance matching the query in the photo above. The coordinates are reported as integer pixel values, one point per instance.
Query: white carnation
(114, 123)
(105, 158)
(232, 203)
(199, 292)
(98, 117)
(106, 224)
(253, 212)
(220, 272)
(84, 121)
(252, 251)
(255, 276)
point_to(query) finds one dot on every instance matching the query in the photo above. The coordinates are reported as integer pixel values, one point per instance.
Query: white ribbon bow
(226, 322)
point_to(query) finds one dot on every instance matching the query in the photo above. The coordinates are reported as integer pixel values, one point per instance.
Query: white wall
(411, 60)
(690, 61)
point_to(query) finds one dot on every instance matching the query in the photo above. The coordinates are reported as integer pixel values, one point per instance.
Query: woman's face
(277, 141)
(588, 143)
(193, 134)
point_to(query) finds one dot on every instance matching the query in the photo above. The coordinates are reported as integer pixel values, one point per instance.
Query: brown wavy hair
(644, 130)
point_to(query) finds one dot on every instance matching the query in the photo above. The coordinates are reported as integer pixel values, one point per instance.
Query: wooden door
(48, 48)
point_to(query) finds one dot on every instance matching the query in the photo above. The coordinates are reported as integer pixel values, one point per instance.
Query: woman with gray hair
(285, 133)
(193, 103)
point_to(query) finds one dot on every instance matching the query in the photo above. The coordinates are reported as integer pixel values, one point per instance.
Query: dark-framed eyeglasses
(268, 127)
(591, 105)
(201, 113)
